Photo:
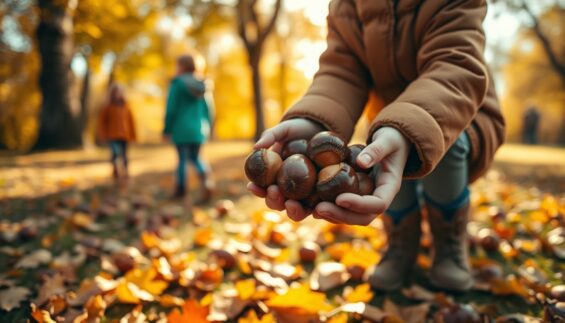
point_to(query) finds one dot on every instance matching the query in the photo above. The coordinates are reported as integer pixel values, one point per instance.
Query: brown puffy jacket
(424, 61)
(116, 123)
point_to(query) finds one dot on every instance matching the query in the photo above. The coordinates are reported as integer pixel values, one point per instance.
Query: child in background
(117, 128)
(436, 131)
(187, 124)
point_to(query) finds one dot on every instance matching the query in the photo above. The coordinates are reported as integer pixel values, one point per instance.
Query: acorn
(335, 180)
(299, 146)
(326, 149)
(309, 251)
(366, 184)
(262, 166)
(354, 151)
(297, 177)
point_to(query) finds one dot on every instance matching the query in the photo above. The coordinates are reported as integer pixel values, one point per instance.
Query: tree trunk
(59, 125)
(84, 95)
(254, 58)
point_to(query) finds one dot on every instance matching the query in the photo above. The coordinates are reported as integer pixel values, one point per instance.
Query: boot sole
(447, 287)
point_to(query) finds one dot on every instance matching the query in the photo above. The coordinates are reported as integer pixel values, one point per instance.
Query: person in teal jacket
(187, 124)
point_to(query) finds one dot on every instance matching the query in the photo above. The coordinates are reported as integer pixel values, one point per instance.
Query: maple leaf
(361, 293)
(12, 297)
(300, 298)
(191, 312)
(140, 285)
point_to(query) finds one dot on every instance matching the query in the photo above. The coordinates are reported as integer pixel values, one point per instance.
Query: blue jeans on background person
(188, 152)
(119, 150)
(446, 187)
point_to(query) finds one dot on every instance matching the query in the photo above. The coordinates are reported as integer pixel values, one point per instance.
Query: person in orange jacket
(117, 128)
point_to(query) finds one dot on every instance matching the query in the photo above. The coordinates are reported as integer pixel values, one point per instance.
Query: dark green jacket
(187, 119)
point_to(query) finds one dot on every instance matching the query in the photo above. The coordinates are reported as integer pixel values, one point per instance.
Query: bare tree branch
(551, 55)
(271, 24)
(241, 20)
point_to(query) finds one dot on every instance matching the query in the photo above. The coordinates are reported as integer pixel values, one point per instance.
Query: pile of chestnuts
(311, 171)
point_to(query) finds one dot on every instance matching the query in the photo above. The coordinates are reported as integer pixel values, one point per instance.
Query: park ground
(76, 245)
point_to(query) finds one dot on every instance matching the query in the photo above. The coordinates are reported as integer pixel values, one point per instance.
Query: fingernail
(365, 159)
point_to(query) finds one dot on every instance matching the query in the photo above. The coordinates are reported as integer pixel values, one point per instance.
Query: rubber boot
(398, 260)
(450, 268)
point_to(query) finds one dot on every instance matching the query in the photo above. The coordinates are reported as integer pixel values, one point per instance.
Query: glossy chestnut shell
(354, 151)
(366, 184)
(335, 180)
(262, 166)
(297, 177)
(311, 201)
(299, 146)
(327, 148)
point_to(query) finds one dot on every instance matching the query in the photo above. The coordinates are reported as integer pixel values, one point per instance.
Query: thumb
(375, 152)
(275, 134)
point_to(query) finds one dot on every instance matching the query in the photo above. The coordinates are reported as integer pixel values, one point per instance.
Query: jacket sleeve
(452, 84)
(172, 103)
(132, 125)
(339, 90)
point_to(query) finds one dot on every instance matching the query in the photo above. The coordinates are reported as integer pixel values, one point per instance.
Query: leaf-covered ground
(76, 248)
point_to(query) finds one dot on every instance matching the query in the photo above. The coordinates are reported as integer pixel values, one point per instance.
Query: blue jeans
(119, 149)
(446, 187)
(189, 152)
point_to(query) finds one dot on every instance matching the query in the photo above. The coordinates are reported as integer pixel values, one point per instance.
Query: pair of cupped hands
(389, 148)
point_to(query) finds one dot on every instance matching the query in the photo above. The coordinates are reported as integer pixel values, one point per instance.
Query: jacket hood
(195, 86)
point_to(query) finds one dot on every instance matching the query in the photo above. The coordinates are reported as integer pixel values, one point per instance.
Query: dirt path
(50, 172)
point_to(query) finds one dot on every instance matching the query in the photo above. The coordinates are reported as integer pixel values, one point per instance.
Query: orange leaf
(202, 237)
(300, 298)
(191, 312)
(251, 317)
(245, 288)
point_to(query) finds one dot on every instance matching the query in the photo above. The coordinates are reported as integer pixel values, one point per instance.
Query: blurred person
(116, 127)
(530, 126)
(187, 125)
(437, 129)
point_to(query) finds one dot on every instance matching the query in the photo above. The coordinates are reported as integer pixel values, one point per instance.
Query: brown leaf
(417, 292)
(53, 285)
(408, 314)
(12, 297)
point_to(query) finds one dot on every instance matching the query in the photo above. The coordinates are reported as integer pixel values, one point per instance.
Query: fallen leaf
(40, 315)
(517, 318)
(407, 314)
(12, 297)
(226, 305)
(202, 236)
(191, 312)
(34, 259)
(170, 301)
(417, 292)
(328, 275)
(361, 293)
(135, 316)
(245, 288)
(299, 297)
(251, 317)
(508, 286)
(53, 285)
(95, 307)
(364, 257)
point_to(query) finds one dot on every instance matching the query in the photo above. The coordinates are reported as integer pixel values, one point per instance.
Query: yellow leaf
(145, 279)
(245, 288)
(361, 293)
(95, 307)
(339, 318)
(125, 295)
(41, 316)
(363, 257)
(300, 298)
(191, 312)
(337, 250)
(251, 317)
(170, 301)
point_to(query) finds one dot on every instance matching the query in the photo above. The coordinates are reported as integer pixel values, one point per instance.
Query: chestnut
(354, 151)
(297, 177)
(366, 184)
(327, 148)
(489, 239)
(356, 272)
(311, 201)
(224, 258)
(293, 147)
(336, 179)
(309, 251)
(262, 166)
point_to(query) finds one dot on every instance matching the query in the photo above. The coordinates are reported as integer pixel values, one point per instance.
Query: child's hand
(389, 149)
(276, 137)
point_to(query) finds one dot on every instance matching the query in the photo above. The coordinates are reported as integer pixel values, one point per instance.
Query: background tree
(59, 125)
(254, 33)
